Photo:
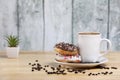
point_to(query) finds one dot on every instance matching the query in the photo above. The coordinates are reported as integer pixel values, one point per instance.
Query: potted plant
(12, 50)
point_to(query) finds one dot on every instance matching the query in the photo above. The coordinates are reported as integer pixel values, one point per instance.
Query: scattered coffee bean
(29, 63)
(47, 65)
(52, 68)
(111, 73)
(76, 72)
(38, 64)
(32, 70)
(44, 69)
(60, 71)
(64, 73)
(36, 60)
(33, 64)
(83, 72)
(93, 74)
(59, 65)
(113, 67)
(89, 74)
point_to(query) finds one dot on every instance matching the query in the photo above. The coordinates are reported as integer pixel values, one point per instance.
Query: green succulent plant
(13, 41)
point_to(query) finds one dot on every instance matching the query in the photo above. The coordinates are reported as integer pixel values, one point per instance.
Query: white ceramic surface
(102, 60)
(89, 43)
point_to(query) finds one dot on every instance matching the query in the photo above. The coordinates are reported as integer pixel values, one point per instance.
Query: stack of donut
(67, 53)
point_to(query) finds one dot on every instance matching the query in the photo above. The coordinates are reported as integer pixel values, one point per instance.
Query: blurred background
(40, 24)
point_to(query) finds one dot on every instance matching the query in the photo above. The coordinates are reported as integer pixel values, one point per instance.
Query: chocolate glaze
(67, 46)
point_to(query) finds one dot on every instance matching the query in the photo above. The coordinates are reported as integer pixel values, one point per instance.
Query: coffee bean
(113, 67)
(33, 64)
(76, 72)
(89, 74)
(44, 69)
(102, 72)
(59, 66)
(64, 73)
(58, 69)
(47, 65)
(36, 60)
(93, 74)
(32, 70)
(111, 73)
(38, 64)
(52, 68)
(48, 72)
(83, 72)
(29, 63)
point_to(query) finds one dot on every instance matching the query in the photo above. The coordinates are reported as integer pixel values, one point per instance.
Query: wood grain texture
(8, 20)
(114, 30)
(58, 18)
(19, 69)
(90, 16)
(31, 24)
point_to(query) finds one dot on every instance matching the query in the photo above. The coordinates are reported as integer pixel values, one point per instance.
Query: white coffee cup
(89, 44)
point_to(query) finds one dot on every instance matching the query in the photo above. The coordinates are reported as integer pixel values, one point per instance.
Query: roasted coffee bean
(106, 67)
(48, 72)
(58, 69)
(102, 72)
(89, 74)
(83, 72)
(38, 64)
(44, 69)
(93, 74)
(75, 72)
(36, 60)
(47, 65)
(38, 69)
(33, 64)
(52, 68)
(111, 73)
(64, 73)
(113, 67)
(32, 70)
(29, 63)
(59, 66)
(106, 72)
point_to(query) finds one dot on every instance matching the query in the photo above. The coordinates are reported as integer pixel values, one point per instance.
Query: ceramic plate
(83, 65)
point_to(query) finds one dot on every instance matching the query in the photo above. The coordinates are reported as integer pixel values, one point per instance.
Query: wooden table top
(19, 69)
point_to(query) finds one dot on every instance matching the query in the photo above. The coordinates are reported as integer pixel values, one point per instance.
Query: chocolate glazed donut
(66, 49)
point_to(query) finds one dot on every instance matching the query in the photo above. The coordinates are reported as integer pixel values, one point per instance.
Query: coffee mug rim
(89, 33)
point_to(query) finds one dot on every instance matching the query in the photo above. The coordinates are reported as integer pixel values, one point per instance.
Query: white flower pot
(12, 52)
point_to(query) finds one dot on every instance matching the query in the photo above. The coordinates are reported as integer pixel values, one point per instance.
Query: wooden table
(19, 69)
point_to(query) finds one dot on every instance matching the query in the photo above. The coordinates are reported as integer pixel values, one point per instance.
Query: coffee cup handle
(109, 43)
